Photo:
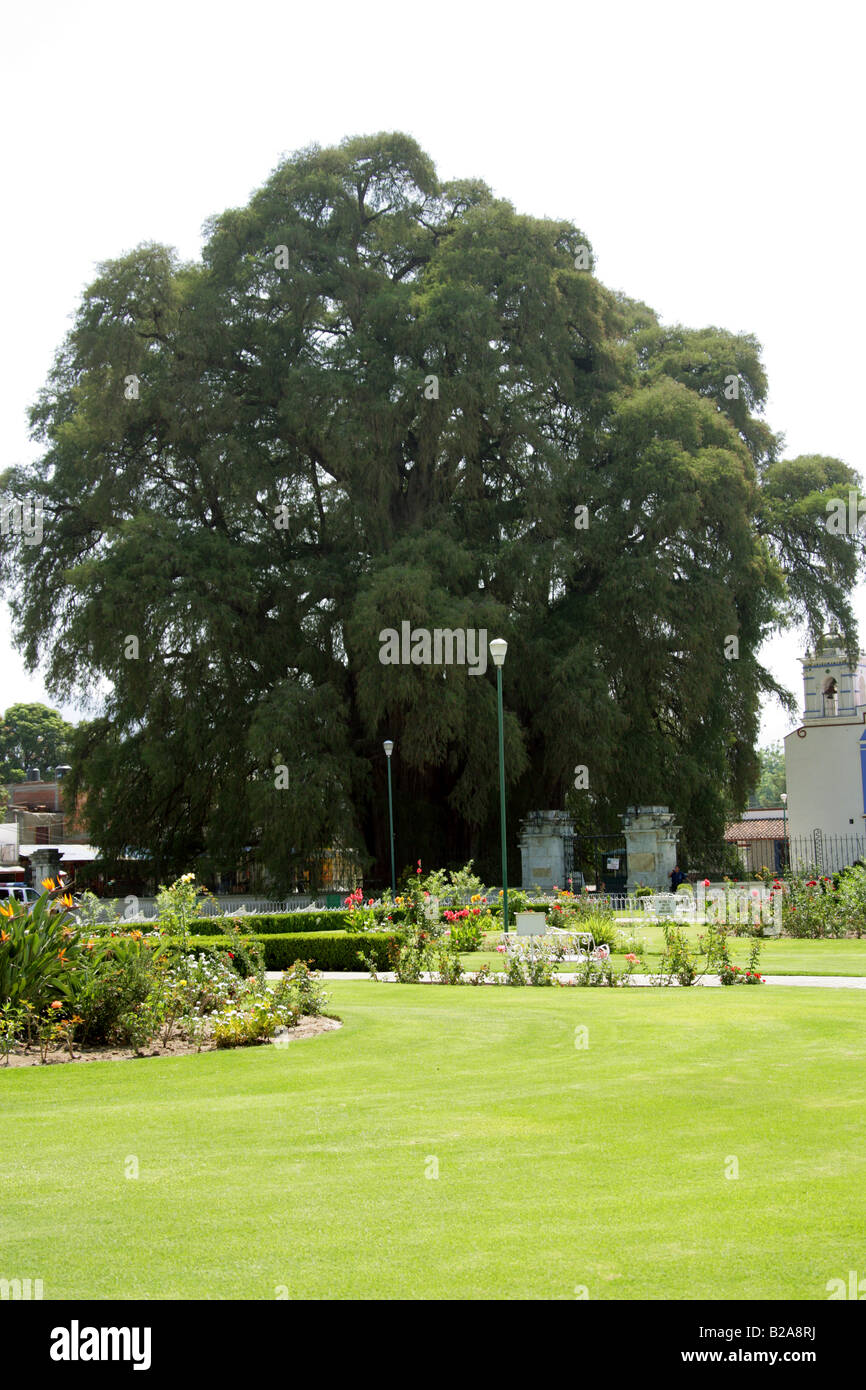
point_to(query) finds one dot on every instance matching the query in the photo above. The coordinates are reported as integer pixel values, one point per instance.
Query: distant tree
(32, 736)
(771, 777)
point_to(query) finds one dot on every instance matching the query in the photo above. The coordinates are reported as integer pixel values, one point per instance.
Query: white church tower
(825, 758)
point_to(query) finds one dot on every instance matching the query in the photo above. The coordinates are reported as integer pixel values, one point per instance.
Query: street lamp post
(785, 830)
(498, 648)
(389, 749)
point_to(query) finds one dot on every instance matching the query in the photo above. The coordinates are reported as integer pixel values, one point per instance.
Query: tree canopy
(32, 736)
(771, 777)
(378, 398)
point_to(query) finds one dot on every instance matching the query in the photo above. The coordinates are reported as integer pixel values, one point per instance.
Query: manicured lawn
(784, 956)
(559, 1167)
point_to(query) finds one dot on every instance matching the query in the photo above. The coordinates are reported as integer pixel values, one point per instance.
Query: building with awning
(760, 839)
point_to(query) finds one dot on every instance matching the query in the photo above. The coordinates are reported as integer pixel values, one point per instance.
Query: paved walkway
(809, 981)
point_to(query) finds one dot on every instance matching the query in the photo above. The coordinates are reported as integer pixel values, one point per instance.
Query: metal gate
(602, 858)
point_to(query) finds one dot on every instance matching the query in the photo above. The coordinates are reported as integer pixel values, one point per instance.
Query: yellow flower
(50, 885)
(7, 909)
(67, 900)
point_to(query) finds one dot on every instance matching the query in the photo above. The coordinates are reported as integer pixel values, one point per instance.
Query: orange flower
(56, 1005)
(61, 955)
(4, 936)
(7, 909)
(49, 884)
(67, 900)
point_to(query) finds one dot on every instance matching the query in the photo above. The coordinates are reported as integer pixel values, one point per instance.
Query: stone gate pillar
(44, 863)
(651, 845)
(543, 836)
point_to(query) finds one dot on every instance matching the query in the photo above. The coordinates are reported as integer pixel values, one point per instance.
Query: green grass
(783, 956)
(559, 1167)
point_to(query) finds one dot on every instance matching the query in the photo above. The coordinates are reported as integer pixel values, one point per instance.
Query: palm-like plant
(39, 949)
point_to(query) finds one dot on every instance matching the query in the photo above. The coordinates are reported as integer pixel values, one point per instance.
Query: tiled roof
(754, 830)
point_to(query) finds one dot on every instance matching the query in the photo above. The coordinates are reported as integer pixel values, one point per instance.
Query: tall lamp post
(784, 830)
(498, 648)
(389, 749)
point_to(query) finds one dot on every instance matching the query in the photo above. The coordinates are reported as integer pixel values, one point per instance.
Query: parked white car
(19, 891)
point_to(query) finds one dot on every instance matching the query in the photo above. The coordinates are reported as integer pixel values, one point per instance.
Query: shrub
(531, 961)
(322, 951)
(444, 960)
(111, 989)
(408, 961)
(851, 886)
(180, 906)
(813, 907)
(280, 923)
(306, 989)
(677, 959)
(577, 915)
(464, 933)
(39, 951)
(91, 911)
(254, 1016)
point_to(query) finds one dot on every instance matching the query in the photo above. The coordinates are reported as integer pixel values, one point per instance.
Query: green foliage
(459, 883)
(180, 906)
(283, 490)
(111, 990)
(39, 950)
(771, 777)
(92, 912)
(677, 961)
(466, 935)
(576, 914)
(813, 907)
(32, 736)
(306, 989)
(852, 892)
(322, 951)
(255, 1016)
(530, 961)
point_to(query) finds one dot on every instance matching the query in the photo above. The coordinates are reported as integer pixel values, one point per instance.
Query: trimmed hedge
(275, 923)
(256, 924)
(323, 950)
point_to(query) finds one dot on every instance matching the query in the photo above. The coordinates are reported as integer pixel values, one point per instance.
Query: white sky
(712, 154)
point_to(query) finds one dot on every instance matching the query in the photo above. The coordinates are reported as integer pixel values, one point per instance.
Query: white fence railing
(222, 905)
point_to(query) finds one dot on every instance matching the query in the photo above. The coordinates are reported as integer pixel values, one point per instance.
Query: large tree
(381, 398)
